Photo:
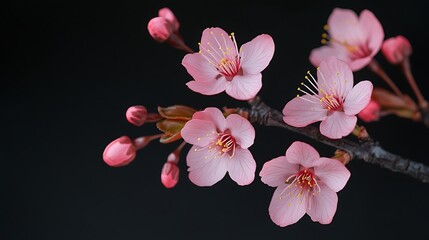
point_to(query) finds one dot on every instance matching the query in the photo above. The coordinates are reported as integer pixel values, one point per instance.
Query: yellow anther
(323, 41)
(326, 27)
(324, 35)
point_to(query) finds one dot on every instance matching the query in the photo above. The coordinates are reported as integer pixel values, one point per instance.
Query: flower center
(327, 95)
(355, 51)
(223, 54)
(301, 185)
(226, 144)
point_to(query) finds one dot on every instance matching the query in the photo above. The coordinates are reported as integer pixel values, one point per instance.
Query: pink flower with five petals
(219, 146)
(355, 40)
(220, 66)
(331, 99)
(306, 183)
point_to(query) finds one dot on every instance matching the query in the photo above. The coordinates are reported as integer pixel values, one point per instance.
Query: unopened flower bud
(170, 174)
(169, 15)
(136, 115)
(396, 49)
(371, 112)
(160, 29)
(119, 152)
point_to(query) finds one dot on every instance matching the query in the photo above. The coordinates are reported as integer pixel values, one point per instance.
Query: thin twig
(368, 151)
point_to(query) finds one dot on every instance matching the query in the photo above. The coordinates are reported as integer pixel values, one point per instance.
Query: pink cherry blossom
(305, 183)
(371, 112)
(119, 152)
(170, 174)
(220, 145)
(355, 40)
(220, 66)
(396, 49)
(331, 99)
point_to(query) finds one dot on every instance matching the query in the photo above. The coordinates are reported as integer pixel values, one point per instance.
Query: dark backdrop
(72, 68)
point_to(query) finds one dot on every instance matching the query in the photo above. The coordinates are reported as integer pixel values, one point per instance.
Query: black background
(72, 68)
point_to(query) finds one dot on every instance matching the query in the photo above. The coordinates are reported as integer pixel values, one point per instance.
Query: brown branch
(368, 151)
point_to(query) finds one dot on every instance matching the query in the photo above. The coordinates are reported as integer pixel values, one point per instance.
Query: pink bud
(169, 15)
(160, 29)
(120, 152)
(396, 49)
(371, 112)
(136, 115)
(170, 174)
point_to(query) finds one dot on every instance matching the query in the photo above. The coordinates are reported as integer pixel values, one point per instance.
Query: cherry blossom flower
(220, 66)
(355, 40)
(305, 183)
(396, 49)
(220, 145)
(136, 115)
(331, 99)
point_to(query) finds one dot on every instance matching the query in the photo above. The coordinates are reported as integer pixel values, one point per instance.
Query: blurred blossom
(396, 49)
(371, 112)
(355, 40)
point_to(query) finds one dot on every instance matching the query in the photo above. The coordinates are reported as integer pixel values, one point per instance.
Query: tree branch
(368, 151)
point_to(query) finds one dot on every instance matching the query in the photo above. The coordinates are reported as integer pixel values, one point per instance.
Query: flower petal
(205, 167)
(241, 129)
(208, 87)
(214, 115)
(374, 31)
(199, 132)
(358, 63)
(216, 42)
(338, 125)
(286, 209)
(358, 98)
(304, 110)
(244, 87)
(323, 205)
(332, 173)
(343, 25)
(257, 54)
(319, 54)
(199, 68)
(335, 77)
(242, 167)
(277, 170)
(302, 153)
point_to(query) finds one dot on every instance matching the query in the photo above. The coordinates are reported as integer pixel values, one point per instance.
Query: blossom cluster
(305, 182)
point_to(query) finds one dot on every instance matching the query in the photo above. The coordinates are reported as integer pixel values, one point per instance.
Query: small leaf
(169, 138)
(171, 128)
(179, 112)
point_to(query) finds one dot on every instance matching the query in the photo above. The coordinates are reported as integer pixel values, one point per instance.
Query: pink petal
(208, 87)
(332, 173)
(257, 54)
(317, 55)
(338, 125)
(205, 167)
(359, 63)
(217, 41)
(334, 76)
(199, 132)
(242, 167)
(374, 31)
(286, 209)
(323, 205)
(302, 111)
(343, 25)
(169, 15)
(199, 68)
(277, 170)
(241, 130)
(214, 115)
(358, 98)
(302, 153)
(244, 87)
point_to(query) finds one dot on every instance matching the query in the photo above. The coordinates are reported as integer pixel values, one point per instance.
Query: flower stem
(368, 151)
(377, 69)
(406, 68)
